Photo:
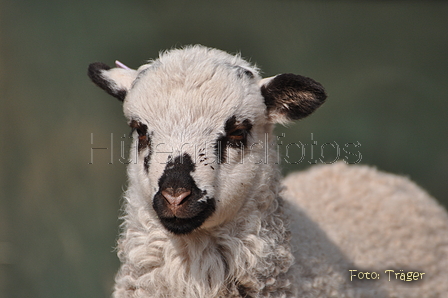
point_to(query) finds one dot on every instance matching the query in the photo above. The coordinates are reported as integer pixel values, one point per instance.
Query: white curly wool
(201, 221)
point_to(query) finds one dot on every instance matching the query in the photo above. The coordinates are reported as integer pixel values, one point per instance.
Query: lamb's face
(200, 120)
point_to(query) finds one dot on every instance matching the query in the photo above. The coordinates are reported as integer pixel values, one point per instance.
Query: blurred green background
(384, 65)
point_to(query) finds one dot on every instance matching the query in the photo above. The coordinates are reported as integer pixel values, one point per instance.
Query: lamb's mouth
(189, 216)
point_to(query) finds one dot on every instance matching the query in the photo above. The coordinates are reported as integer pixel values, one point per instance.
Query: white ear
(115, 81)
(291, 97)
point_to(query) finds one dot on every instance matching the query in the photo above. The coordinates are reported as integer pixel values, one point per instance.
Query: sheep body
(200, 223)
(369, 221)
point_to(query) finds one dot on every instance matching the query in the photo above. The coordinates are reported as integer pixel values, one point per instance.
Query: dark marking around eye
(236, 133)
(235, 137)
(144, 140)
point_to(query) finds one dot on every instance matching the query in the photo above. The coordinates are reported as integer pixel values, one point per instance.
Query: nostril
(175, 196)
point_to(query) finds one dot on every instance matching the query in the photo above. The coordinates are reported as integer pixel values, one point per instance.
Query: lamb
(206, 213)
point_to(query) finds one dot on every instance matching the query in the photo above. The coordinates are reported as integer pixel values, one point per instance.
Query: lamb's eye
(142, 138)
(142, 131)
(141, 128)
(238, 134)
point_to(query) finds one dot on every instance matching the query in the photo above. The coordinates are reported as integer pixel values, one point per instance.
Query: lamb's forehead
(193, 84)
(200, 56)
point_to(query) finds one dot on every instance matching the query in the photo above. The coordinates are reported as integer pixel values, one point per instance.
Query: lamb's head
(200, 119)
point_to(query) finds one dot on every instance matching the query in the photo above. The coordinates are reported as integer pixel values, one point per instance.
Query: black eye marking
(236, 133)
(144, 140)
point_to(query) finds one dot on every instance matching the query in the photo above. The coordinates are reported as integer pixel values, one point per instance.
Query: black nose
(180, 205)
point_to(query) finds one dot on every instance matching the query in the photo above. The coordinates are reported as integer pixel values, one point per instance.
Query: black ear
(291, 97)
(115, 81)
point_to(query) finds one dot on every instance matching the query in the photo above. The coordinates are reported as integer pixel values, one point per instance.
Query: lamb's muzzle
(179, 203)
